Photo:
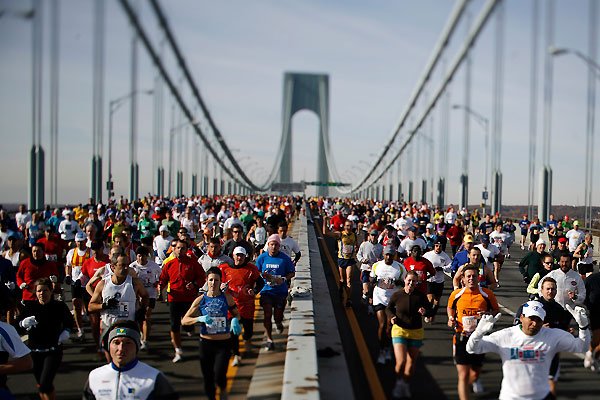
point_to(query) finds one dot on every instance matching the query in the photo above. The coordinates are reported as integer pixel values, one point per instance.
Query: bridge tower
(305, 92)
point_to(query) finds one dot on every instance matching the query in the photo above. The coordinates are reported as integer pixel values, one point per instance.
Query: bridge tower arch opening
(303, 91)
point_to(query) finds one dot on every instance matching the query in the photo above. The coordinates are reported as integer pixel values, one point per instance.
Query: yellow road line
(365, 356)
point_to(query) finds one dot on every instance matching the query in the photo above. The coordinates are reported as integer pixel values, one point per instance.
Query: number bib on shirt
(218, 325)
(469, 324)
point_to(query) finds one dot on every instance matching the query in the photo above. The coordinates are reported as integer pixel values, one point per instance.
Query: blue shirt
(279, 265)
(216, 308)
(460, 258)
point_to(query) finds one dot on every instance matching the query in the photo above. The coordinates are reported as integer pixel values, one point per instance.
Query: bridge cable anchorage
(481, 21)
(164, 24)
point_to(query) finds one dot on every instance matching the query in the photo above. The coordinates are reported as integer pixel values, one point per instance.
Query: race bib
(469, 324)
(51, 257)
(123, 310)
(218, 325)
(347, 248)
(386, 283)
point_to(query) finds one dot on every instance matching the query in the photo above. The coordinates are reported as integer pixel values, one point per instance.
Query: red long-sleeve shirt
(178, 273)
(29, 272)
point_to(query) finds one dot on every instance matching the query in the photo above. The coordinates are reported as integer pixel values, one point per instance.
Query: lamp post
(593, 73)
(113, 106)
(484, 122)
(174, 130)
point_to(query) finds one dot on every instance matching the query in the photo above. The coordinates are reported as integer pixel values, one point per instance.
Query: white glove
(10, 285)
(53, 278)
(486, 324)
(64, 336)
(579, 314)
(23, 286)
(28, 323)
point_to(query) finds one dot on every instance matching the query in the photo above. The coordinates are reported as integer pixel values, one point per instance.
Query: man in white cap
(75, 259)
(575, 237)
(161, 244)
(276, 269)
(125, 376)
(527, 349)
(68, 228)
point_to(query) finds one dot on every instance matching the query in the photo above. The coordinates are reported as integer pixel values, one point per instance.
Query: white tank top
(125, 293)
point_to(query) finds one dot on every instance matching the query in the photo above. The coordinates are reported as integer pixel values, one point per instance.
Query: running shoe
(478, 387)
(142, 345)
(236, 361)
(365, 299)
(427, 320)
(400, 390)
(588, 360)
(80, 334)
(269, 345)
(279, 327)
(178, 355)
(381, 358)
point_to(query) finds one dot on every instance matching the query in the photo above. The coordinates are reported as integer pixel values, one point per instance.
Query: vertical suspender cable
(533, 103)
(591, 109)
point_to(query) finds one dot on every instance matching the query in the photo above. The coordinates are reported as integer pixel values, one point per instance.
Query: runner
(149, 273)
(241, 279)
(435, 284)
(584, 253)
(404, 312)
(276, 269)
(347, 243)
(527, 350)
(184, 277)
(465, 308)
(75, 259)
(125, 375)
(570, 288)
(212, 310)
(48, 324)
(386, 276)
(556, 317)
(368, 254)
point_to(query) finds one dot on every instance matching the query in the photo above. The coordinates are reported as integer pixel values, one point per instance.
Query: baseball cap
(80, 237)
(374, 232)
(163, 228)
(240, 250)
(562, 239)
(576, 222)
(540, 242)
(125, 332)
(412, 229)
(389, 250)
(274, 238)
(429, 226)
(468, 239)
(534, 309)
(484, 239)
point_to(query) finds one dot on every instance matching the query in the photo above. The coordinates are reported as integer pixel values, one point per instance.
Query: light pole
(113, 106)
(593, 74)
(174, 130)
(484, 122)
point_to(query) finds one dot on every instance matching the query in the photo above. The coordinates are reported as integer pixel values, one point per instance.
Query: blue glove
(205, 319)
(236, 328)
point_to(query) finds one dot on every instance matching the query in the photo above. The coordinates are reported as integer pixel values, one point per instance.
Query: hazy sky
(238, 52)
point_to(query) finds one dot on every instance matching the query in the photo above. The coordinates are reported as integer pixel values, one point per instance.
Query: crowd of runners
(407, 254)
(100, 269)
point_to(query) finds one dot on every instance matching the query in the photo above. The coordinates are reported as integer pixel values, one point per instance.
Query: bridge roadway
(346, 340)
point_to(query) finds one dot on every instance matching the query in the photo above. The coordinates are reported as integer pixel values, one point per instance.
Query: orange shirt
(469, 305)
(240, 280)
